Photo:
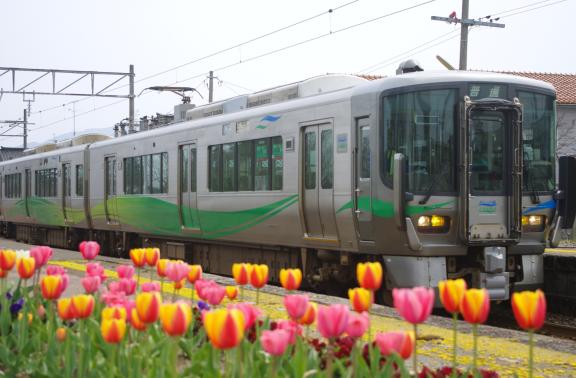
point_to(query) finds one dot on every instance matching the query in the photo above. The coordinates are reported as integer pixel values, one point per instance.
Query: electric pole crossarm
(468, 22)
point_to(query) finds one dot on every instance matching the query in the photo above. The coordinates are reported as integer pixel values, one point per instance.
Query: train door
(363, 180)
(110, 206)
(66, 193)
(318, 181)
(187, 199)
(27, 189)
(494, 169)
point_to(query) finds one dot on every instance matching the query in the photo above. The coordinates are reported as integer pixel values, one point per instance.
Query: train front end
(470, 167)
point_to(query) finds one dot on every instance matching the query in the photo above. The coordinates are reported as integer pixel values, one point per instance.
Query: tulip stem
(241, 293)
(174, 357)
(530, 353)
(192, 295)
(274, 366)
(329, 358)
(415, 355)
(475, 334)
(454, 342)
(257, 296)
(369, 327)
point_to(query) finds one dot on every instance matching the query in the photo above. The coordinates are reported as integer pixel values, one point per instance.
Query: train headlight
(533, 223)
(433, 223)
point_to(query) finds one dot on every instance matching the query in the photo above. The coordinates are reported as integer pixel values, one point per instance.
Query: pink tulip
(291, 327)
(358, 324)
(214, 294)
(332, 320)
(41, 255)
(91, 284)
(200, 285)
(296, 305)
(414, 305)
(89, 249)
(251, 313)
(127, 285)
(95, 269)
(114, 298)
(150, 286)
(401, 343)
(177, 271)
(54, 270)
(125, 271)
(275, 342)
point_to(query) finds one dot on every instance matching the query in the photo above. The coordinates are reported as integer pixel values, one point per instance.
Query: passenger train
(434, 174)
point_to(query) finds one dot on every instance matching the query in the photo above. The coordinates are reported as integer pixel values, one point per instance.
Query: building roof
(565, 84)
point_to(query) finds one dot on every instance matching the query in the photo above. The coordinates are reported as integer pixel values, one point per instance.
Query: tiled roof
(565, 84)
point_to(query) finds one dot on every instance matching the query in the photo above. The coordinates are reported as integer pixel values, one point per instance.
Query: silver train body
(436, 175)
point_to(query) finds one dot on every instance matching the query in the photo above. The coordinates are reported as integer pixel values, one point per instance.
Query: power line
(496, 14)
(532, 9)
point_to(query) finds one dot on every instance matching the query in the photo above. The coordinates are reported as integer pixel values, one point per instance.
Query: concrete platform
(502, 350)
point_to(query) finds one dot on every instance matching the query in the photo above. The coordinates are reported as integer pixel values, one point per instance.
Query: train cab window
(246, 165)
(13, 185)
(327, 159)
(310, 160)
(262, 177)
(80, 180)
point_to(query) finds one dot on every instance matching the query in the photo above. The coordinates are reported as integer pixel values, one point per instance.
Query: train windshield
(539, 141)
(421, 125)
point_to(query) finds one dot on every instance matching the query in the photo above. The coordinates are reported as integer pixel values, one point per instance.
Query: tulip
(138, 257)
(474, 308)
(529, 309)
(52, 287)
(290, 278)
(275, 342)
(360, 299)
(292, 327)
(151, 255)
(161, 267)
(128, 285)
(54, 270)
(150, 286)
(148, 306)
(61, 334)
(358, 324)
(309, 315)
(179, 284)
(451, 293)
(89, 249)
(231, 292)
(241, 273)
(25, 267)
(259, 275)
(177, 270)
(332, 320)
(3, 273)
(250, 312)
(113, 330)
(214, 294)
(41, 255)
(369, 275)
(125, 271)
(114, 312)
(195, 273)
(296, 305)
(202, 285)
(224, 327)
(82, 306)
(95, 269)
(135, 321)
(91, 284)
(401, 343)
(175, 318)
(65, 309)
(7, 259)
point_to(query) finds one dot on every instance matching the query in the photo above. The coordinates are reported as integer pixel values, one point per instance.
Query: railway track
(559, 330)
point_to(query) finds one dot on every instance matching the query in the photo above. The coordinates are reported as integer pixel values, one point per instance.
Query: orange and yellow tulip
(148, 306)
(290, 278)
(309, 315)
(195, 273)
(360, 299)
(451, 293)
(135, 321)
(138, 256)
(175, 318)
(231, 292)
(113, 330)
(114, 312)
(82, 305)
(369, 275)
(4, 273)
(241, 273)
(25, 267)
(52, 286)
(475, 306)
(224, 327)
(259, 275)
(7, 259)
(61, 334)
(529, 309)
(151, 255)
(65, 309)
(161, 267)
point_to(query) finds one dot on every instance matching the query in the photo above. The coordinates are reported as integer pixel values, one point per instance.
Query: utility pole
(465, 22)
(25, 131)
(211, 87)
(131, 100)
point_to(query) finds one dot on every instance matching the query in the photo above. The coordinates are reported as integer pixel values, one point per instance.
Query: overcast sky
(155, 36)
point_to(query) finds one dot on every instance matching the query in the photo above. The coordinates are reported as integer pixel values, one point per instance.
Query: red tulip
(224, 327)
(358, 324)
(175, 318)
(138, 257)
(451, 293)
(89, 249)
(369, 275)
(114, 312)
(231, 292)
(475, 305)
(148, 306)
(195, 273)
(361, 299)
(65, 309)
(529, 309)
(55, 270)
(310, 315)
(258, 275)
(296, 305)
(25, 267)
(332, 320)
(241, 273)
(161, 267)
(401, 343)
(61, 334)
(52, 287)
(82, 305)
(7, 259)
(275, 342)
(290, 278)
(113, 330)
(151, 256)
(250, 312)
(414, 305)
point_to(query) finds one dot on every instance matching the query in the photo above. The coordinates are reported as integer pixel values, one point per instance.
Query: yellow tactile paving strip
(508, 357)
(560, 250)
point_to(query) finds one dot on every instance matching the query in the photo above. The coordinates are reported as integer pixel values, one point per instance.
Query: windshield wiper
(428, 192)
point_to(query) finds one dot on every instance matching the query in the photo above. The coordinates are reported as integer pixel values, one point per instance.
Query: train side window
(128, 176)
(277, 163)
(262, 176)
(46, 182)
(310, 160)
(193, 170)
(327, 159)
(156, 174)
(215, 159)
(246, 165)
(229, 183)
(184, 158)
(80, 180)
(147, 173)
(137, 175)
(12, 185)
(164, 170)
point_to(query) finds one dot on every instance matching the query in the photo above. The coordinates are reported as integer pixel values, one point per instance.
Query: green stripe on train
(385, 209)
